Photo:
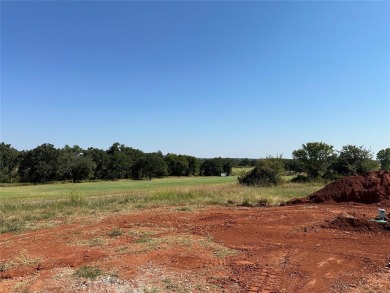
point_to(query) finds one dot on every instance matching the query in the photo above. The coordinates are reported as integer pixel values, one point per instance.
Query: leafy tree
(40, 164)
(212, 167)
(293, 166)
(315, 157)
(193, 166)
(9, 163)
(177, 164)
(216, 166)
(227, 167)
(384, 158)
(101, 160)
(121, 161)
(353, 160)
(157, 166)
(74, 164)
(149, 166)
(244, 163)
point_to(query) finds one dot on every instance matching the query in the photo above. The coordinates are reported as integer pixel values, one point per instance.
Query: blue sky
(230, 79)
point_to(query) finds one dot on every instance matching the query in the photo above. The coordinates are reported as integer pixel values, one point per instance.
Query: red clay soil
(300, 248)
(373, 187)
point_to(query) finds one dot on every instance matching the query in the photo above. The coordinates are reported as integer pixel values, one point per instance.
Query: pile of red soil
(355, 223)
(373, 187)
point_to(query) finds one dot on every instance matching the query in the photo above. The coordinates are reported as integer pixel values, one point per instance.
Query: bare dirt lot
(301, 248)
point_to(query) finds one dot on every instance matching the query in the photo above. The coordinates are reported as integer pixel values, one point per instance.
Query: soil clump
(350, 222)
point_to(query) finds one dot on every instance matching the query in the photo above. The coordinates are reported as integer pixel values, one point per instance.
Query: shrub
(89, 272)
(115, 232)
(266, 173)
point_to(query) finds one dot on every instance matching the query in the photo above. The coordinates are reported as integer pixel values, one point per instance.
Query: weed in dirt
(169, 284)
(144, 240)
(96, 241)
(224, 252)
(5, 266)
(185, 209)
(93, 242)
(25, 260)
(115, 232)
(150, 290)
(89, 272)
(246, 203)
(218, 249)
(122, 249)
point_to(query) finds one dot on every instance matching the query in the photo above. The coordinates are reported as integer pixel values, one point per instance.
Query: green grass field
(58, 191)
(36, 206)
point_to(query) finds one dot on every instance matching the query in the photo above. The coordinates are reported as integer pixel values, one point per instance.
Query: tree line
(317, 160)
(45, 163)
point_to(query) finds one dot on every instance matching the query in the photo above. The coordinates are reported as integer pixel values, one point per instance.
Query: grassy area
(33, 207)
(63, 190)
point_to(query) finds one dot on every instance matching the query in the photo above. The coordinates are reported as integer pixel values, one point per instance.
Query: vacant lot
(197, 238)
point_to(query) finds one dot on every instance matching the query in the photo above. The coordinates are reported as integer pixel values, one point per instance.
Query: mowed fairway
(62, 190)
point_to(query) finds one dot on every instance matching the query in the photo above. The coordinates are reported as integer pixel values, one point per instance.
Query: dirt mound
(354, 223)
(373, 187)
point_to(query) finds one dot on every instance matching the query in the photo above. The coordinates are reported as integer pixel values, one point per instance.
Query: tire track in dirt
(266, 280)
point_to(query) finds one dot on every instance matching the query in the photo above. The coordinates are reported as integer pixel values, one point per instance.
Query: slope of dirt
(276, 249)
(373, 187)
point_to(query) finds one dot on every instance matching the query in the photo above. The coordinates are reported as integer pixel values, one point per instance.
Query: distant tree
(74, 164)
(193, 166)
(177, 164)
(216, 166)
(384, 158)
(293, 166)
(157, 166)
(227, 167)
(121, 161)
(315, 157)
(40, 164)
(245, 163)
(212, 167)
(149, 166)
(9, 163)
(354, 160)
(101, 160)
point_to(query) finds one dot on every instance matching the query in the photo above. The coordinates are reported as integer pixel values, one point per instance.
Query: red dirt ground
(300, 248)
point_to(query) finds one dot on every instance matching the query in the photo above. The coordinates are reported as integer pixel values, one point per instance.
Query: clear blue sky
(230, 79)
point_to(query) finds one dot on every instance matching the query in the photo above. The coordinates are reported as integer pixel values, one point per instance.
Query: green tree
(193, 166)
(384, 158)
(9, 163)
(149, 166)
(101, 160)
(74, 164)
(212, 167)
(177, 164)
(121, 161)
(315, 157)
(227, 167)
(354, 160)
(40, 164)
